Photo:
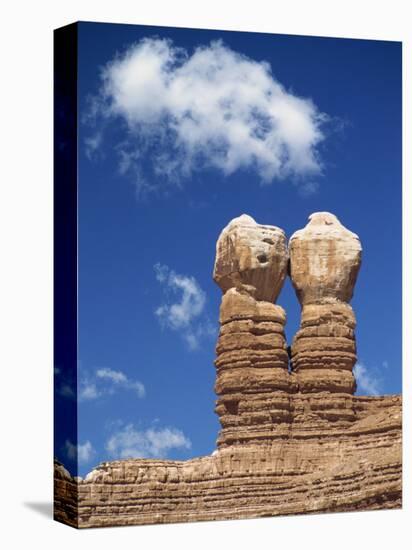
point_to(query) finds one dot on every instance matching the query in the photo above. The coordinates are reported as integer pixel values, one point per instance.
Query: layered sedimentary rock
(292, 441)
(252, 384)
(324, 262)
(329, 469)
(65, 495)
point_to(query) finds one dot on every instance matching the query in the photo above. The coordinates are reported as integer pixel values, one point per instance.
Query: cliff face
(294, 439)
(320, 466)
(65, 495)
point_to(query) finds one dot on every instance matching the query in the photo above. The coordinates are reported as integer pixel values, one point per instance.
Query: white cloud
(115, 376)
(192, 298)
(151, 443)
(162, 272)
(91, 386)
(186, 314)
(214, 109)
(107, 381)
(92, 144)
(88, 390)
(366, 380)
(120, 379)
(83, 452)
(197, 333)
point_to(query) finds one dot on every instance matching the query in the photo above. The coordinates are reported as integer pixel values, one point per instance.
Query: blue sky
(163, 168)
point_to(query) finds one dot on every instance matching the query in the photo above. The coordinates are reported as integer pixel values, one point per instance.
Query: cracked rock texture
(294, 439)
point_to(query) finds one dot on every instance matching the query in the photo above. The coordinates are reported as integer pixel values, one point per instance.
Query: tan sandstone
(294, 439)
(251, 255)
(325, 258)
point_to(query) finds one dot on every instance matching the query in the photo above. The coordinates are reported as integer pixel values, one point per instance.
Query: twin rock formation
(294, 438)
(259, 390)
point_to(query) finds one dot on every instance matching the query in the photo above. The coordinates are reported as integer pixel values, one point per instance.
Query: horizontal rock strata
(65, 495)
(324, 348)
(294, 439)
(253, 384)
(316, 469)
(324, 262)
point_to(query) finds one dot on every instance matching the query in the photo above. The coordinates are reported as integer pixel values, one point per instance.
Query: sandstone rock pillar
(324, 262)
(253, 384)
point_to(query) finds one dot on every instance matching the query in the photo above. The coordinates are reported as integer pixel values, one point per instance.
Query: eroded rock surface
(66, 495)
(251, 256)
(325, 259)
(316, 468)
(293, 440)
(252, 382)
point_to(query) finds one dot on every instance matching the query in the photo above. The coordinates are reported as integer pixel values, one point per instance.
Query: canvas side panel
(65, 274)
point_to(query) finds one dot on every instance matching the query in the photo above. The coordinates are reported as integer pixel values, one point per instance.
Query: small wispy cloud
(130, 442)
(119, 379)
(83, 453)
(96, 384)
(204, 329)
(192, 298)
(107, 381)
(88, 390)
(92, 144)
(185, 315)
(214, 108)
(367, 380)
(308, 188)
(64, 383)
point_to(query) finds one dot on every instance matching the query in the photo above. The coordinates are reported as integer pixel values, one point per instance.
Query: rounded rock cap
(323, 218)
(252, 257)
(325, 258)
